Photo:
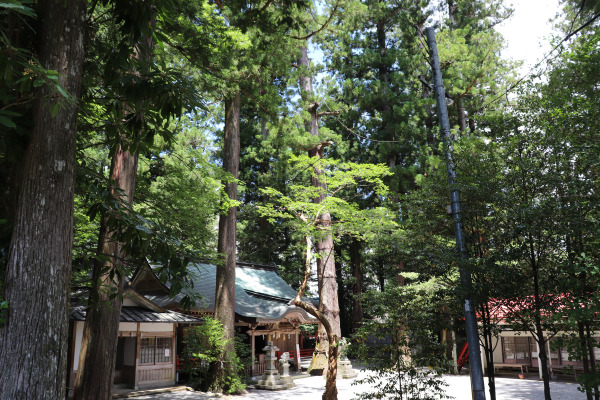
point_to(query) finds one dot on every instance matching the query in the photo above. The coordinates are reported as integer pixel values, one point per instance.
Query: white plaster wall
(156, 327)
(78, 337)
(127, 326)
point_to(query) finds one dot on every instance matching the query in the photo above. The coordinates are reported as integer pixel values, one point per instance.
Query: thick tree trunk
(330, 383)
(100, 332)
(101, 329)
(225, 290)
(33, 341)
(327, 284)
(328, 289)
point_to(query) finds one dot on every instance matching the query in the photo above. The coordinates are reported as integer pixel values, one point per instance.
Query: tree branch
(337, 3)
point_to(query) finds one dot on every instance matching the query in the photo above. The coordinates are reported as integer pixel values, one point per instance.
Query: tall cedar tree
(266, 32)
(327, 283)
(225, 280)
(33, 342)
(100, 332)
(371, 50)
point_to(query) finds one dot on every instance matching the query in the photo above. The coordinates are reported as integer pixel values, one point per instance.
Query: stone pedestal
(345, 370)
(284, 365)
(271, 380)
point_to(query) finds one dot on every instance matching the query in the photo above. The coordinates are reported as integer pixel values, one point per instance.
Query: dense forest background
(185, 131)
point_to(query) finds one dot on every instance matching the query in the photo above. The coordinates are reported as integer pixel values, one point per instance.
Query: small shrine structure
(263, 304)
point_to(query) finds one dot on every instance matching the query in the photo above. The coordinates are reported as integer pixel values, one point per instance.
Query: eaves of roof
(140, 314)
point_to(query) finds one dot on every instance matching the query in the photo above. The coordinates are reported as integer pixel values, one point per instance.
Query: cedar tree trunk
(330, 384)
(225, 287)
(101, 329)
(327, 284)
(33, 341)
(98, 348)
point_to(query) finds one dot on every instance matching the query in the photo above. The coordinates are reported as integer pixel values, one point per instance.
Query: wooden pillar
(174, 354)
(138, 341)
(253, 351)
(296, 342)
(72, 355)
(297, 349)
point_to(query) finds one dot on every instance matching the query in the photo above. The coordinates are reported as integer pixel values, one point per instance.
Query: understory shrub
(204, 360)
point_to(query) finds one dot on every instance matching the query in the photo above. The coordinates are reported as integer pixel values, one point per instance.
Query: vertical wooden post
(72, 355)
(253, 351)
(174, 354)
(138, 340)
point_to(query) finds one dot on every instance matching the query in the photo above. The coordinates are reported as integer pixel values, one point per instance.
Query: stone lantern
(271, 380)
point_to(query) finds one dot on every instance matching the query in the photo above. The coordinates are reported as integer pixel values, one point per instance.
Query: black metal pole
(477, 385)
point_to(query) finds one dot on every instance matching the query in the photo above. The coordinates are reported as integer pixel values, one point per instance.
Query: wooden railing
(303, 354)
(259, 368)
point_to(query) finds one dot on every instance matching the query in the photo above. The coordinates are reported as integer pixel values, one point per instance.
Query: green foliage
(297, 203)
(180, 188)
(204, 348)
(243, 352)
(399, 345)
(374, 86)
(143, 235)
(308, 329)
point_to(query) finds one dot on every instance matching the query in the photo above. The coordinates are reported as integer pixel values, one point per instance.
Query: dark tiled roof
(139, 314)
(259, 292)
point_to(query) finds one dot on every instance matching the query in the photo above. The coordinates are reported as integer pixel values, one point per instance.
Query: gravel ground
(459, 387)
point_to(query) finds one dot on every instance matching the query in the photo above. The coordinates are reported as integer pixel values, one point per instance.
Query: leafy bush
(204, 359)
(399, 346)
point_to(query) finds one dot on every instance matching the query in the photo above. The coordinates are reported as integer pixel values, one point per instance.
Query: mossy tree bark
(95, 375)
(225, 286)
(329, 310)
(33, 341)
(332, 339)
(100, 334)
